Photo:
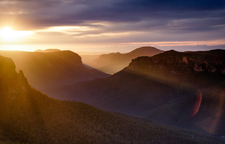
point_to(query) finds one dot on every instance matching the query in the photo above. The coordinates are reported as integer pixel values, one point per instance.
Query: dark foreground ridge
(28, 116)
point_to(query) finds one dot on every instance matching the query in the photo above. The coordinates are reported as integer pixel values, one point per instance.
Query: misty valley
(144, 96)
(112, 72)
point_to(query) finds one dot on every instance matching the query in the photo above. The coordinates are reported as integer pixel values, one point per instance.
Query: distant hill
(28, 116)
(48, 50)
(184, 89)
(114, 62)
(51, 69)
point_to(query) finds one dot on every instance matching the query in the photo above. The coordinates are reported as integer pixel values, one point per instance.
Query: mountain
(28, 116)
(114, 62)
(51, 69)
(184, 89)
(48, 50)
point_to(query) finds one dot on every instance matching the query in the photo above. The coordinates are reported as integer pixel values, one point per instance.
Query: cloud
(118, 20)
(73, 12)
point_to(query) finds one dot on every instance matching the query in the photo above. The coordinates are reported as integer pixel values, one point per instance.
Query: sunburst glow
(7, 34)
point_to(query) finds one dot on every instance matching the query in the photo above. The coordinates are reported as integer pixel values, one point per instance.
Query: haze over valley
(184, 89)
(50, 69)
(28, 116)
(112, 72)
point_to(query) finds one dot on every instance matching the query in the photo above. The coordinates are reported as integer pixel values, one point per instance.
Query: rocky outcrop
(11, 82)
(184, 89)
(52, 69)
(28, 116)
(181, 62)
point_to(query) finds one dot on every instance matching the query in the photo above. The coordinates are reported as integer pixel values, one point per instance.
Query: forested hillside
(28, 116)
(184, 89)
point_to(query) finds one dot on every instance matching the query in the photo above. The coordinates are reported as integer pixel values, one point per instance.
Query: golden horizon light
(7, 34)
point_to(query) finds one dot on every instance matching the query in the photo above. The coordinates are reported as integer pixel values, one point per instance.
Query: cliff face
(199, 69)
(177, 63)
(203, 71)
(11, 82)
(28, 116)
(181, 89)
(52, 69)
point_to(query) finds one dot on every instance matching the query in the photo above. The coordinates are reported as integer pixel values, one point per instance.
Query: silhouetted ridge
(69, 56)
(11, 82)
(182, 62)
(184, 89)
(171, 51)
(28, 116)
(148, 51)
(7, 65)
(114, 62)
(52, 69)
(48, 50)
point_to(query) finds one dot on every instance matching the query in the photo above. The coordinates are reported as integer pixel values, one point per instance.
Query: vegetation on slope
(180, 89)
(28, 116)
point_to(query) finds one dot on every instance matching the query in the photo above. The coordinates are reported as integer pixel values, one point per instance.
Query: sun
(7, 34)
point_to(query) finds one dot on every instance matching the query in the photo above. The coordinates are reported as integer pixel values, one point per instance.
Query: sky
(112, 25)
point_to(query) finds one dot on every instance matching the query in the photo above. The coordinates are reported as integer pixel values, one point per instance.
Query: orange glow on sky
(7, 34)
(83, 39)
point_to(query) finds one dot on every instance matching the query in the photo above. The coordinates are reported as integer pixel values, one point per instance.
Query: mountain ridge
(47, 50)
(28, 116)
(45, 70)
(175, 88)
(113, 62)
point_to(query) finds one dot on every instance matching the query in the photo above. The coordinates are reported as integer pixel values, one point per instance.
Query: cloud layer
(119, 21)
